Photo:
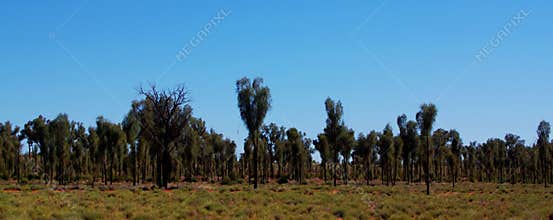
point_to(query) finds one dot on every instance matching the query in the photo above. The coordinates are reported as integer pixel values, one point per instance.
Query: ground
(272, 201)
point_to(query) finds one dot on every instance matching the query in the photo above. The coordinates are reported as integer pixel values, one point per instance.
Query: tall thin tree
(426, 118)
(334, 124)
(254, 101)
(544, 129)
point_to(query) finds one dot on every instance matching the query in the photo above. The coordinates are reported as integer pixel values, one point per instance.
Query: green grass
(467, 201)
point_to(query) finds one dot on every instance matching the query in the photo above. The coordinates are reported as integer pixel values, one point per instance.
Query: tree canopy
(160, 141)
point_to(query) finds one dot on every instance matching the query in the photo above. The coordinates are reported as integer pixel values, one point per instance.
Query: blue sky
(380, 58)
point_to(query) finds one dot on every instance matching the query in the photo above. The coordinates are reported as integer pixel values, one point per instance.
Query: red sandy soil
(317, 181)
(12, 190)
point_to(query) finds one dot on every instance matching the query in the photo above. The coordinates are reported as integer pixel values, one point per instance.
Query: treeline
(160, 141)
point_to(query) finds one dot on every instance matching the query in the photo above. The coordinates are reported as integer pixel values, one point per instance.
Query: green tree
(402, 125)
(93, 145)
(471, 160)
(322, 146)
(228, 159)
(10, 150)
(515, 153)
(439, 152)
(425, 119)
(544, 129)
(111, 138)
(36, 132)
(254, 100)
(364, 150)
(373, 141)
(192, 141)
(131, 127)
(308, 152)
(273, 135)
(280, 150)
(410, 147)
(246, 160)
(386, 152)
(488, 158)
(397, 155)
(59, 135)
(500, 157)
(206, 152)
(297, 153)
(334, 126)
(455, 157)
(346, 141)
(77, 143)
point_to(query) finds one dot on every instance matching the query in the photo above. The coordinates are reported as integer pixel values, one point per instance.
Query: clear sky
(380, 58)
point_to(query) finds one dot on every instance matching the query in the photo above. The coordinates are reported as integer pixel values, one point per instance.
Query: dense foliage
(160, 141)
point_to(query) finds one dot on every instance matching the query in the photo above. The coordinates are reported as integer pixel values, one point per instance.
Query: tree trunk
(545, 172)
(158, 170)
(104, 172)
(427, 165)
(279, 168)
(255, 161)
(134, 163)
(324, 171)
(368, 177)
(346, 171)
(166, 169)
(334, 173)
(382, 171)
(271, 165)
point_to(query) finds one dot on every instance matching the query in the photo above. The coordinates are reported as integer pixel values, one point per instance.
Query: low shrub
(227, 181)
(90, 215)
(283, 180)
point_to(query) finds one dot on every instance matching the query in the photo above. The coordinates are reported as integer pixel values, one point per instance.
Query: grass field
(210, 201)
